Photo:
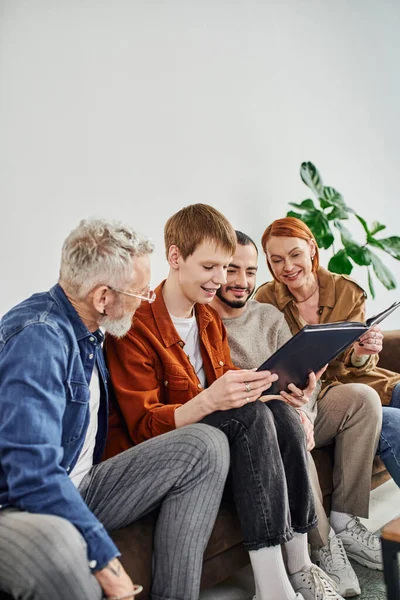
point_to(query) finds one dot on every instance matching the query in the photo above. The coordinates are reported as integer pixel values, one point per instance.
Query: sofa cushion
(226, 532)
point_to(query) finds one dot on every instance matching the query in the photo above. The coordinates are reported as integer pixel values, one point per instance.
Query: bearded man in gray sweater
(255, 331)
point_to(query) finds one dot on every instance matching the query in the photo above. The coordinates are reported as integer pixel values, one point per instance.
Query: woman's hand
(308, 430)
(298, 397)
(369, 343)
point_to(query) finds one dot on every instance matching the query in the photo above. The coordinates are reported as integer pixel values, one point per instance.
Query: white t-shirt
(189, 333)
(85, 460)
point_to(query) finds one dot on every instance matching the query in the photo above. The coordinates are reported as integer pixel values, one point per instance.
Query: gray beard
(117, 327)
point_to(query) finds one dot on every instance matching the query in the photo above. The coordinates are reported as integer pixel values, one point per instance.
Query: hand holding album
(369, 343)
(296, 397)
(313, 347)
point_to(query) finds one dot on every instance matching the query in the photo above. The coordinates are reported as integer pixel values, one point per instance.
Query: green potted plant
(327, 214)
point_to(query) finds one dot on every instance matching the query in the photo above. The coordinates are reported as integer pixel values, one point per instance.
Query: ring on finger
(247, 399)
(247, 386)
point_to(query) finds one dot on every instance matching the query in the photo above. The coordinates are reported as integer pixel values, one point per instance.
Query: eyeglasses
(149, 297)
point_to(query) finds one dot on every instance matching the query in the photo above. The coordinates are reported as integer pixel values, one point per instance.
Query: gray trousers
(183, 472)
(350, 415)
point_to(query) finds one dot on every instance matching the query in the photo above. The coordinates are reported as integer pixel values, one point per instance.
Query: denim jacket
(47, 356)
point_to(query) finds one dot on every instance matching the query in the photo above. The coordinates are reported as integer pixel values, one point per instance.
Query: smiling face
(241, 277)
(290, 260)
(202, 273)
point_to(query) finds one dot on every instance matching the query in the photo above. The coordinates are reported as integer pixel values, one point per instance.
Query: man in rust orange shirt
(174, 368)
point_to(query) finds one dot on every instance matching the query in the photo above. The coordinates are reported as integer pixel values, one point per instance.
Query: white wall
(134, 108)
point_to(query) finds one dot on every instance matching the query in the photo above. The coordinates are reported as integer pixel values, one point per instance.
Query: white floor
(384, 506)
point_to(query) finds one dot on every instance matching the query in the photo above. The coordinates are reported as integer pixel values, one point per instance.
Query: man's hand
(114, 580)
(369, 343)
(308, 429)
(236, 388)
(298, 397)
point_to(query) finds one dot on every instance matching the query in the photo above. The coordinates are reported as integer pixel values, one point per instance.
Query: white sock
(270, 574)
(339, 520)
(297, 553)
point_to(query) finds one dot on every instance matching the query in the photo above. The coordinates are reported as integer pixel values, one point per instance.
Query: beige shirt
(340, 299)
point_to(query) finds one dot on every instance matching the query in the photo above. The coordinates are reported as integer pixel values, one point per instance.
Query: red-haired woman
(349, 411)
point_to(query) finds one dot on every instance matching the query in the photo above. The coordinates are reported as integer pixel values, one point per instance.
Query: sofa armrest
(389, 358)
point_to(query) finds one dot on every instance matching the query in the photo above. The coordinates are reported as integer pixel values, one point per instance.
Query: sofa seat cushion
(226, 532)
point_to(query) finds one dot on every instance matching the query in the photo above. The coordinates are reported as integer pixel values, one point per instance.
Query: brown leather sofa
(224, 553)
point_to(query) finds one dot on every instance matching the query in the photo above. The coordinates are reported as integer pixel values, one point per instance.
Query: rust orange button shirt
(152, 375)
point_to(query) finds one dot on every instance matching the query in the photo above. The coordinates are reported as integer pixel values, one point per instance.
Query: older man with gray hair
(57, 501)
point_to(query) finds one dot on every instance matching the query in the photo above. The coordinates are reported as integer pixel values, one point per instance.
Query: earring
(104, 313)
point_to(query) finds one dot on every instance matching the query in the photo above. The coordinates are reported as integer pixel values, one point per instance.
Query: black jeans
(269, 471)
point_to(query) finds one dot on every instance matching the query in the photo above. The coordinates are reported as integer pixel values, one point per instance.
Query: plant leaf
(296, 215)
(364, 224)
(318, 222)
(382, 272)
(311, 177)
(344, 233)
(391, 245)
(371, 284)
(338, 213)
(340, 263)
(359, 254)
(305, 205)
(376, 227)
(332, 197)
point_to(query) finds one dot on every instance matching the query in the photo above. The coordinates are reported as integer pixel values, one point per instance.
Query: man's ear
(101, 298)
(174, 257)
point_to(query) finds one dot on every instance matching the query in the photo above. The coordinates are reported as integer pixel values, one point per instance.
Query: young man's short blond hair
(194, 224)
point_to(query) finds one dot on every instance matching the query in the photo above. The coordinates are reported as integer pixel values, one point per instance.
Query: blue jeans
(389, 444)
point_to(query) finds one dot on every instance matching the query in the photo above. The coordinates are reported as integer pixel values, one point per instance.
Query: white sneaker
(332, 559)
(314, 584)
(361, 545)
(297, 597)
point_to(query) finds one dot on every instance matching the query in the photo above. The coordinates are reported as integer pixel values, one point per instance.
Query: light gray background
(132, 109)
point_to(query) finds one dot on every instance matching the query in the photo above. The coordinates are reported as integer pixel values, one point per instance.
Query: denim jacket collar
(79, 327)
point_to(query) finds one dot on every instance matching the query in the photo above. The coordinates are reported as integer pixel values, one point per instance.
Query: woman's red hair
(289, 227)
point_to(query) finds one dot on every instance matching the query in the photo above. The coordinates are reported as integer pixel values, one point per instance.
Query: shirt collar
(327, 294)
(80, 329)
(164, 323)
(326, 290)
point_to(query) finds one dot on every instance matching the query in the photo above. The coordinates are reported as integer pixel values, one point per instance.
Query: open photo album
(313, 347)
